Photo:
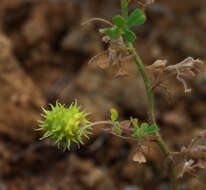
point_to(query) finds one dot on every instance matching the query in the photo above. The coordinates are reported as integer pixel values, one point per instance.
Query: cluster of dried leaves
(116, 54)
(193, 156)
(188, 160)
(186, 69)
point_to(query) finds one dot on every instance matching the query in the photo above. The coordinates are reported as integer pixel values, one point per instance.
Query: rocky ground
(44, 53)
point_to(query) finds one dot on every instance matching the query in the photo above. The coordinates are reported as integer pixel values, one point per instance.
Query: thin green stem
(146, 82)
(125, 6)
(150, 98)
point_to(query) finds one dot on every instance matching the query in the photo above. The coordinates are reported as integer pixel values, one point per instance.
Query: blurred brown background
(43, 57)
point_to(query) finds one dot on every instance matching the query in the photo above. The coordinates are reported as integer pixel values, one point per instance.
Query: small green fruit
(65, 125)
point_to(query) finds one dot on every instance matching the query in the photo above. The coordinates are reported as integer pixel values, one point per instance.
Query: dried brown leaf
(186, 69)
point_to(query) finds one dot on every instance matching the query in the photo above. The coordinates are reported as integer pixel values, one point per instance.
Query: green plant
(66, 125)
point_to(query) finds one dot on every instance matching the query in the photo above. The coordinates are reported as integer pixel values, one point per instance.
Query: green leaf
(129, 36)
(144, 130)
(136, 18)
(144, 125)
(119, 21)
(152, 129)
(117, 128)
(137, 134)
(114, 114)
(113, 32)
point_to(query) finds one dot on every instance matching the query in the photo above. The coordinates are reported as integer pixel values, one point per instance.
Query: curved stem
(101, 123)
(150, 98)
(97, 19)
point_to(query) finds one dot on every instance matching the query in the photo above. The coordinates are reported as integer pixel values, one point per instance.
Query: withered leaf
(186, 69)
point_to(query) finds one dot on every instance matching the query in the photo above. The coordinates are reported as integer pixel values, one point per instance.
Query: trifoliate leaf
(143, 130)
(119, 21)
(114, 114)
(117, 128)
(129, 36)
(136, 18)
(113, 32)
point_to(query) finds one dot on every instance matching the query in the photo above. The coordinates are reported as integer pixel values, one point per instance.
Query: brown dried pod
(139, 157)
(121, 73)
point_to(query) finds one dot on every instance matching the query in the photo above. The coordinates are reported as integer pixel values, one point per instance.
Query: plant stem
(101, 123)
(150, 98)
(125, 6)
(152, 118)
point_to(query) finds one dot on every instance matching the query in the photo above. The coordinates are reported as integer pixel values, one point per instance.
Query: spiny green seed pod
(65, 125)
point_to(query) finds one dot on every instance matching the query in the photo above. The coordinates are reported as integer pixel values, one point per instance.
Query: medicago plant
(70, 125)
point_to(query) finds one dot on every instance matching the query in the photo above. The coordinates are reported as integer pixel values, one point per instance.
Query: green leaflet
(151, 129)
(129, 36)
(114, 114)
(113, 32)
(123, 23)
(119, 21)
(136, 18)
(143, 130)
(117, 128)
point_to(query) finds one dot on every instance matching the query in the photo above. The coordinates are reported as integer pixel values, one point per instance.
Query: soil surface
(44, 52)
